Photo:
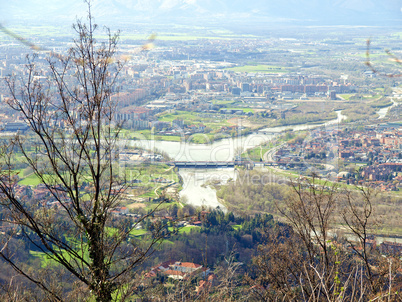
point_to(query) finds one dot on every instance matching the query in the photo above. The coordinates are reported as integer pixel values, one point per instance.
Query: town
(171, 160)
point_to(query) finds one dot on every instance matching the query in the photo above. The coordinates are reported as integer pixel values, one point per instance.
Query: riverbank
(234, 127)
(224, 149)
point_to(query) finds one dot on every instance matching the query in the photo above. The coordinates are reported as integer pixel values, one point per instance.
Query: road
(269, 155)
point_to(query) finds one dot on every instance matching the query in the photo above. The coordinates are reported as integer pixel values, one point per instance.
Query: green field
(79, 246)
(200, 138)
(255, 154)
(184, 115)
(147, 172)
(260, 68)
(48, 261)
(186, 229)
(44, 259)
(345, 96)
(138, 232)
(351, 97)
(190, 118)
(30, 180)
(149, 135)
(372, 97)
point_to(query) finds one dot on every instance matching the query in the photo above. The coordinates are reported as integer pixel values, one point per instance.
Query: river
(383, 111)
(194, 191)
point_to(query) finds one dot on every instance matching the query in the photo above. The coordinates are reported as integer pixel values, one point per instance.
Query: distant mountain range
(202, 12)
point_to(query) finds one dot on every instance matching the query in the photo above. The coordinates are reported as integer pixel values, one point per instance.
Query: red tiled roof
(190, 264)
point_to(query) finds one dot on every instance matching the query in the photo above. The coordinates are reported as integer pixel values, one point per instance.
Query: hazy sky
(309, 12)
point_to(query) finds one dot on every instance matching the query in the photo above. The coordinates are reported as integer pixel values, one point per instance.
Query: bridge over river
(229, 164)
(210, 164)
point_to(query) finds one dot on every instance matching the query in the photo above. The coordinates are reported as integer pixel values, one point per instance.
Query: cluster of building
(385, 247)
(381, 150)
(192, 87)
(166, 79)
(377, 150)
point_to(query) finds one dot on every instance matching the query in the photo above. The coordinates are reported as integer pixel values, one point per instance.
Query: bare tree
(359, 219)
(230, 286)
(305, 262)
(310, 213)
(301, 263)
(72, 153)
(278, 267)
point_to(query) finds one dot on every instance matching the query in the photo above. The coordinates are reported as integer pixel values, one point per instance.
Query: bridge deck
(224, 164)
(210, 164)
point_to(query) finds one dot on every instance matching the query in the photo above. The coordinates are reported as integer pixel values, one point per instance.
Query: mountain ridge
(313, 12)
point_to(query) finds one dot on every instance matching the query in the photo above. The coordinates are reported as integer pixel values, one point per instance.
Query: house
(389, 247)
(178, 270)
(201, 127)
(181, 270)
